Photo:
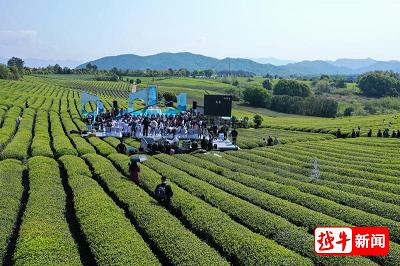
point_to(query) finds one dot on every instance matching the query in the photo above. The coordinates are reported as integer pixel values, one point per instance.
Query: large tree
(267, 84)
(4, 72)
(323, 86)
(208, 73)
(292, 88)
(17, 62)
(378, 84)
(256, 96)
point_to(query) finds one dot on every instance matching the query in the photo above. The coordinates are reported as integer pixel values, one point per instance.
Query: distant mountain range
(264, 66)
(272, 60)
(268, 65)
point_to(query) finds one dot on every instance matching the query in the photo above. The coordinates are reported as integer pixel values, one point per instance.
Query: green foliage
(61, 143)
(178, 244)
(14, 73)
(267, 84)
(103, 147)
(221, 183)
(16, 62)
(18, 148)
(382, 105)
(97, 213)
(44, 236)
(257, 119)
(4, 72)
(340, 83)
(291, 88)
(313, 106)
(257, 97)
(348, 111)
(378, 84)
(82, 146)
(10, 199)
(169, 97)
(252, 138)
(248, 213)
(323, 86)
(9, 125)
(217, 224)
(241, 162)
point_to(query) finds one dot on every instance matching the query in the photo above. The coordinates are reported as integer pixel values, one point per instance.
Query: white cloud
(9, 37)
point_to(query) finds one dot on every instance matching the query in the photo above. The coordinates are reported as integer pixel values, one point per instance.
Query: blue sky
(289, 29)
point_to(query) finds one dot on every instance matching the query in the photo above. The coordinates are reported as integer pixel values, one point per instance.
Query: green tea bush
(97, 213)
(10, 199)
(178, 244)
(44, 237)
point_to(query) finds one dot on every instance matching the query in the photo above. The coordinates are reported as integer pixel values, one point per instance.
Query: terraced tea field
(67, 200)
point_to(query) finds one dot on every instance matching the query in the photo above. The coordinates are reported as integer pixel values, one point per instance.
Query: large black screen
(218, 105)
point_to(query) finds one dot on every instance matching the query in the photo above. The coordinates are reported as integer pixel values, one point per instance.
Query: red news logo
(351, 241)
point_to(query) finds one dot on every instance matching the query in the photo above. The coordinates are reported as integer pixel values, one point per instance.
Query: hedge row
(56, 105)
(178, 245)
(133, 143)
(234, 240)
(345, 213)
(38, 103)
(252, 138)
(292, 176)
(46, 104)
(356, 167)
(44, 237)
(387, 187)
(97, 213)
(19, 145)
(346, 150)
(312, 202)
(330, 160)
(10, 199)
(9, 127)
(75, 116)
(62, 145)
(41, 141)
(293, 212)
(255, 218)
(336, 153)
(342, 170)
(343, 149)
(3, 111)
(367, 204)
(67, 122)
(103, 147)
(112, 141)
(81, 144)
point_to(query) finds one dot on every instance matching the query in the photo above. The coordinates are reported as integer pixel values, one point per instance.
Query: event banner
(351, 241)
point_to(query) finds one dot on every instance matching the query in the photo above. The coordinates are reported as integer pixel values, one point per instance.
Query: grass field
(67, 200)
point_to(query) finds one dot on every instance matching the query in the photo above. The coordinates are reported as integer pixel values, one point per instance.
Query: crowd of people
(385, 133)
(271, 142)
(199, 132)
(187, 123)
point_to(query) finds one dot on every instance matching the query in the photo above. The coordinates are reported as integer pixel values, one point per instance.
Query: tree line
(13, 70)
(290, 96)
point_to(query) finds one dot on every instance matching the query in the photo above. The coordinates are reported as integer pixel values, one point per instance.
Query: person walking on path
(121, 148)
(134, 171)
(234, 135)
(338, 133)
(164, 192)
